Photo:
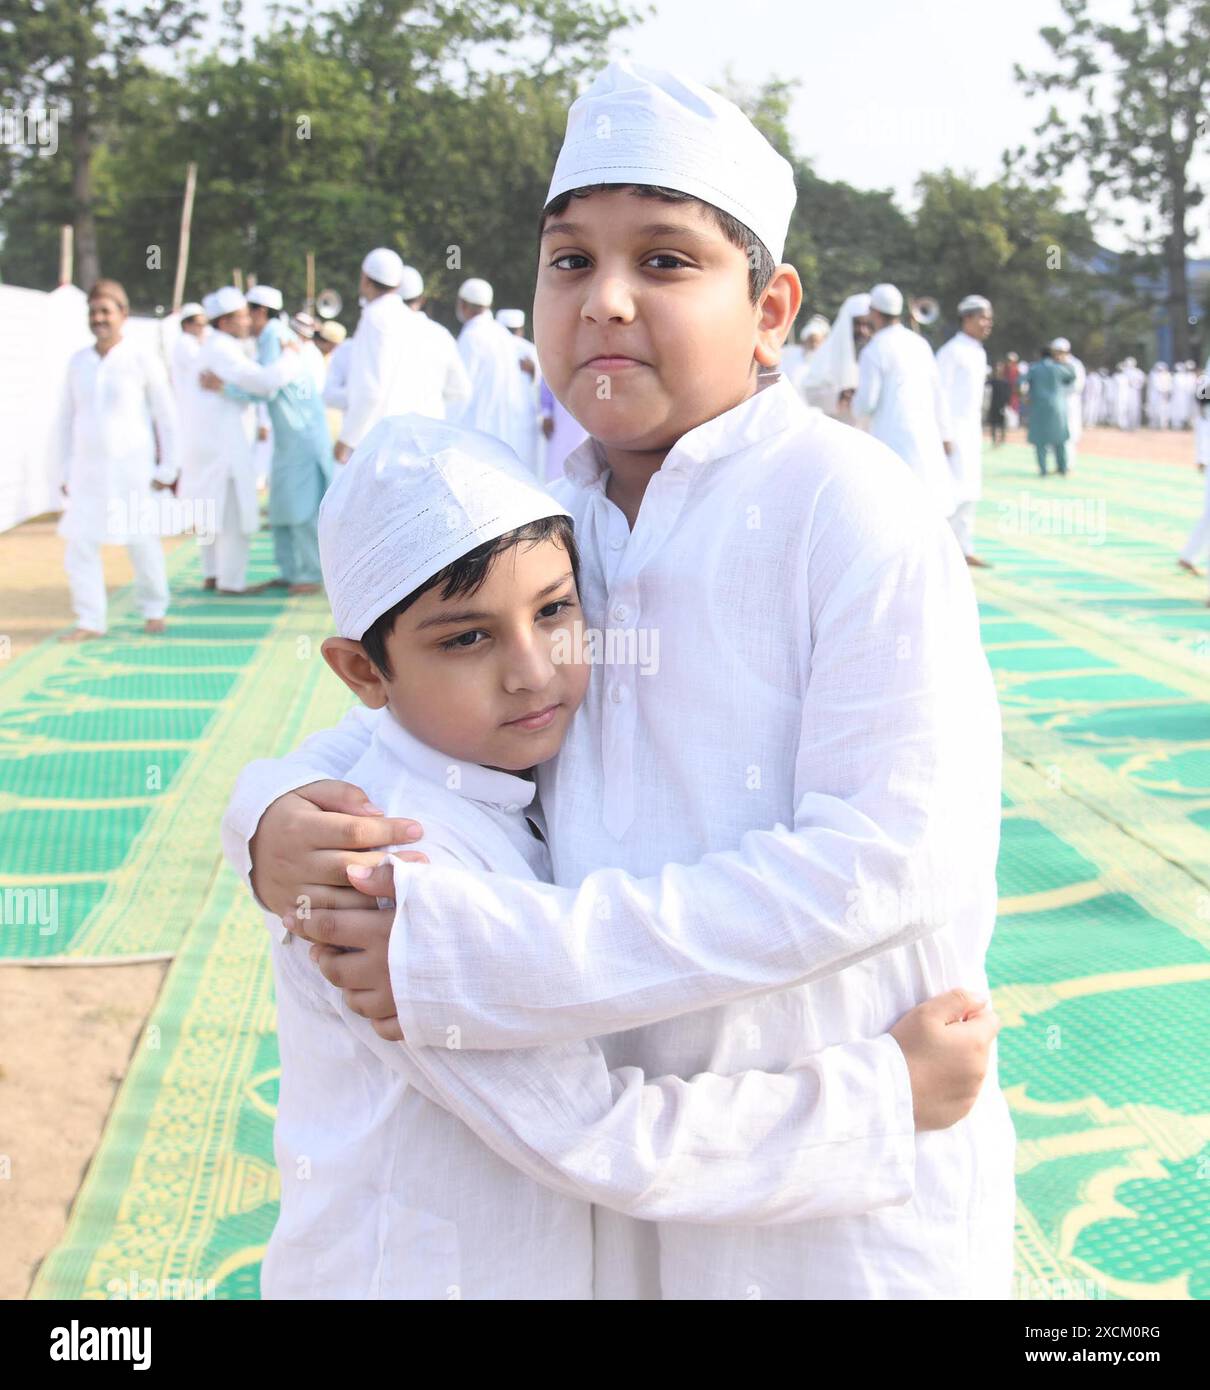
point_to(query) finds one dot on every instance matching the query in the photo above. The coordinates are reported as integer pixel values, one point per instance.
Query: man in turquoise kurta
(302, 452)
(1049, 380)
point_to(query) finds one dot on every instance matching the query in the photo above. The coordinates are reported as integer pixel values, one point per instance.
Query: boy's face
(491, 677)
(642, 319)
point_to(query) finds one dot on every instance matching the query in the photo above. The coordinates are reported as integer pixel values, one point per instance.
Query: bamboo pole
(182, 250)
(66, 245)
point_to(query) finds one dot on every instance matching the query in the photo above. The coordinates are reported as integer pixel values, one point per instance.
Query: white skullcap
(411, 283)
(815, 324)
(384, 267)
(887, 300)
(648, 126)
(973, 304)
(190, 310)
(1060, 345)
(510, 318)
(304, 325)
(223, 301)
(332, 332)
(417, 495)
(476, 291)
(1161, 367)
(266, 296)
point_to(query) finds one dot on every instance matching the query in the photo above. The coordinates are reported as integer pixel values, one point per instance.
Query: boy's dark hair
(466, 574)
(760, 262)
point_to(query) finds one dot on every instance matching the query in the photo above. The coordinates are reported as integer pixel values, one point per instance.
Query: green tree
(77, 57)
(1143, 89)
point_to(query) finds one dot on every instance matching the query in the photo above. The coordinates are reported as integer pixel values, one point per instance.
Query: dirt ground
(67, 1033)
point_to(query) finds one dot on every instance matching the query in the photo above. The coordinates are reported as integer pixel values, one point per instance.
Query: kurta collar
(485, 785)
(774, 407)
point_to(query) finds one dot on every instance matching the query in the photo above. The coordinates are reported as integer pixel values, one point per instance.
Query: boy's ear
(350, 662)
(779, 308)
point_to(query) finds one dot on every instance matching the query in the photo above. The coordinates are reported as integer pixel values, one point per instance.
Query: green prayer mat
(1100, 966)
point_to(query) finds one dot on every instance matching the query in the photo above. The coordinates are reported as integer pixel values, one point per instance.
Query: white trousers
(963, 522)
(1199, 538)
(86, 578)
(228, 561)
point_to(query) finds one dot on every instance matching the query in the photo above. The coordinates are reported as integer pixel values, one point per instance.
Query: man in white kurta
(1075, 406)
(499, 387)
(527, 434)
(790, 869)
(829, 379)
(223, 485)
(385, 354)
(1199, 538)
(899, 393)
(115, 447)
(962, 366)
(190, 399)
(442, 385)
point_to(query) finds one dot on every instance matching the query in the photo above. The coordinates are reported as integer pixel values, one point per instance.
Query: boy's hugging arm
(328, 754)
(899, 745)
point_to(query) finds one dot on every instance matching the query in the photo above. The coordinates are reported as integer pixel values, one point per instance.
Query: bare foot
(81, 634)
(305, 588)
(977, 563)
(1188, 565)
(155, 626)
(210, 583)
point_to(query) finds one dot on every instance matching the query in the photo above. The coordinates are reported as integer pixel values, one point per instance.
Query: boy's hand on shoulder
(946, 1042)
(307, 839)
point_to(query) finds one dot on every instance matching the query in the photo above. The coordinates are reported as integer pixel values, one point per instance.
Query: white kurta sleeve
(833, 1135)
(898, 736)
(941, 404)
(336, 386)
(869, 384)
(162, 405)
(456, 388)
(241, 371)
(330, 753)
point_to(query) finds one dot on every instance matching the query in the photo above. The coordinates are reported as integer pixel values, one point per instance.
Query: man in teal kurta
(1049, 380)
(302, 452)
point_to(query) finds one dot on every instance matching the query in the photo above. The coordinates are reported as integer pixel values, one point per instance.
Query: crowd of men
(245, 379)
(869, 369)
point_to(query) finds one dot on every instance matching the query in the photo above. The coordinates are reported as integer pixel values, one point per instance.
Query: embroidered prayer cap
(416, 495)
(411, 283)
(190, 311)
(974, 304)
(510, 318)
(649, 126)
(267, 297)
(223, 301)
(887, 300)
(476, 291)
(384, 267)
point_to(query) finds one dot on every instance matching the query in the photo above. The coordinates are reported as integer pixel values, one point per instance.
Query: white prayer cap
(510, 318)
(815, 324)
(411, 283)
(417, 495)
(476, 291)
(649, 126)
(887, 300)
(1160, 367)
(303, 325)
(384, 267)
(223, 301)
(332, 332)
(267, 297)
(190, 310)
(1060, 345)
(974, 304)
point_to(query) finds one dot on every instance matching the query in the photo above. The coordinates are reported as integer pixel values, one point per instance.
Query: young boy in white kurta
(787, 834)
(447, 1173)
